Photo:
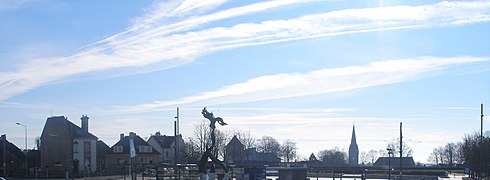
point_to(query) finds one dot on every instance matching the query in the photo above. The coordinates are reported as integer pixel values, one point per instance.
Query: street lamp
(25, 131)
(390, 152)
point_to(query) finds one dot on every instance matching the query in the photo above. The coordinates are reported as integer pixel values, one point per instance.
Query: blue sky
(291, 69)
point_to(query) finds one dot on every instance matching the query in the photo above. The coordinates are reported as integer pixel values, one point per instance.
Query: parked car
(150, 172)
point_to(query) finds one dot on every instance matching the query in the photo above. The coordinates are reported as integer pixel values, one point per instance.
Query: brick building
(165, 145)
(67, 147)
(118, 158)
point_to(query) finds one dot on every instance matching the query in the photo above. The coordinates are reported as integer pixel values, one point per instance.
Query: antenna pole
(401, 151)
(481, 143)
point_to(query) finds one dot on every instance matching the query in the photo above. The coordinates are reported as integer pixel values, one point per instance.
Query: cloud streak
(321, 81)
(158, 42)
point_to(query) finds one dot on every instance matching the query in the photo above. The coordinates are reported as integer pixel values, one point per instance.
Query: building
(235, 152)
(118, 158)
(67, 147)
(102, 149)
(165, 145)
(236, 155)
(353, 149)
(15, 159)
(394, 162)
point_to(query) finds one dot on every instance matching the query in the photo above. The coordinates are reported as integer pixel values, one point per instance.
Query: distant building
(15, 158)
(65, 146)
(394, 162)
(165, 145)
(118, 158)
(353, 150)
(237, 155)
(235, 152)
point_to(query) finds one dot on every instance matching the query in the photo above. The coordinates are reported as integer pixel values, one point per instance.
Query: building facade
(166, 145)
(353, 149)
(14, 159)
(67, 147)
(235, 152)
(119, 157)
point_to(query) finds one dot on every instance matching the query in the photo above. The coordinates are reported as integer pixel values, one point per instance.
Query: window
(75, 147)
(145, 149)
(118, 149)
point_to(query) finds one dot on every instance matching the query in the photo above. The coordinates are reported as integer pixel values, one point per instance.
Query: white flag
(131, 147)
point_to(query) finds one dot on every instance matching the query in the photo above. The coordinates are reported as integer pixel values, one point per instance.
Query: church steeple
(353, 149)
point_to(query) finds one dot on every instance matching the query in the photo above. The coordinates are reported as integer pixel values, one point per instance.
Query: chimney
(121, 136)
(84, 123)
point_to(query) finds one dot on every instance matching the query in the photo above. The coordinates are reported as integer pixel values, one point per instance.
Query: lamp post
(25, 131)
(390, 152)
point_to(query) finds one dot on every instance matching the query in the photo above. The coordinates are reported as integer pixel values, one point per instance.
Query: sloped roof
(138, 141)
(12, 149)
(164, 141)
(56, 122)
(235, 142)
(394, 162)
(102, 148)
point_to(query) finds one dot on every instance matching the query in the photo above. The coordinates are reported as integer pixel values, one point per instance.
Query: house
(118, 158)
(165, 145)
(394, 162)
(67, 147)
(102, 149)
(235, 152)
(237, 155)
(15, 158)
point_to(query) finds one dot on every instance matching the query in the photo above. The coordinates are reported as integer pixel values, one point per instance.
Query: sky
(304, 70)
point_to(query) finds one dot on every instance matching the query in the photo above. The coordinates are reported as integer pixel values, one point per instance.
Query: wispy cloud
(169, 43)
(9, 5)
(315, 82)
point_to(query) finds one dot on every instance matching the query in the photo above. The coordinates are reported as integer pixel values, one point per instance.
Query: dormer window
(118, 149)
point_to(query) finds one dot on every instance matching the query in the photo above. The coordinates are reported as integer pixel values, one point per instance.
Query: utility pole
(481, 143)
(401, 151)
(177, 133)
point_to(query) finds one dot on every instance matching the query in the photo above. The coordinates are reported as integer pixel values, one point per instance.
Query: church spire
(353, 139)
(353, 149)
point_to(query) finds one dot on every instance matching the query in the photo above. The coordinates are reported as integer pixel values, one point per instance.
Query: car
(150, 172)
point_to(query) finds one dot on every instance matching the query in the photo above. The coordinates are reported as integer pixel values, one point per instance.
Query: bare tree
(450, 152)
(268, 144)
(288, 150)
(407, 151)
(202, 135)
(372, 155)
(202, 139)
(364, 158)
(436, 156)
(192, 153)
(245, 138)
(221, 140)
